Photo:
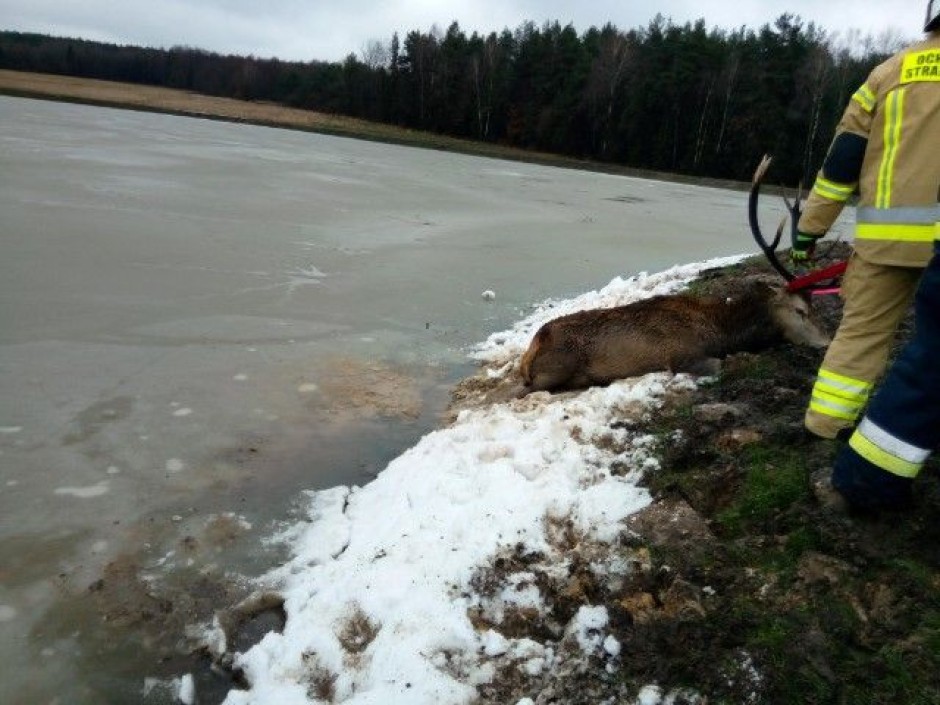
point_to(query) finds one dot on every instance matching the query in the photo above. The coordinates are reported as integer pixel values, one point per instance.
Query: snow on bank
(505, 347)
(379, 589)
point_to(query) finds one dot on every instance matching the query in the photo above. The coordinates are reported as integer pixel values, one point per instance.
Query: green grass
(775, 478)
(831, 609)
(892, 676)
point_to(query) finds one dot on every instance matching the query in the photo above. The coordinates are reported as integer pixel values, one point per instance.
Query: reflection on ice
(102, 488)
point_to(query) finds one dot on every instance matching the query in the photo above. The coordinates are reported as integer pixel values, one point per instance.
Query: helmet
(932, 21)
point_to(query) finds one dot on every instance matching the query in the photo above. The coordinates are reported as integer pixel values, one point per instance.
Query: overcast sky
(331, 29)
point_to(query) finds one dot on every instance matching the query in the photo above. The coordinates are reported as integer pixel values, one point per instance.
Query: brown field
(176, 102)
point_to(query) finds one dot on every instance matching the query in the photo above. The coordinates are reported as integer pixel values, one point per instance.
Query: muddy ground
(746, 588)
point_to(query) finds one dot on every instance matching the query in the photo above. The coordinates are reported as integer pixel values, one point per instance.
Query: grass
(832, 609)
(775, 477)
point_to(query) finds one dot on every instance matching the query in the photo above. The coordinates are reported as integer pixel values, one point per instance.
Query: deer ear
(765, 288)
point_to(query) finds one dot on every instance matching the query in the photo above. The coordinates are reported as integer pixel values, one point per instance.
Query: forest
(665, 97)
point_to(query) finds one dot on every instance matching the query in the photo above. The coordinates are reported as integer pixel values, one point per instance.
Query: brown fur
(678, 333)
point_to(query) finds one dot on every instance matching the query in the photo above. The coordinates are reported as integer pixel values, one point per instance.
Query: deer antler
(770, 249)
(808, 282)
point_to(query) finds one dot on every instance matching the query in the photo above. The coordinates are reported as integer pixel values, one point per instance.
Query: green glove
(803, 249)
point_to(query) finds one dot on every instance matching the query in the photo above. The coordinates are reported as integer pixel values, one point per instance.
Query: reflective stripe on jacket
(897, 110)
(838, 395)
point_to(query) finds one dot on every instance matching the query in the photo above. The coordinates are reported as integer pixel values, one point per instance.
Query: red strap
(807, 280)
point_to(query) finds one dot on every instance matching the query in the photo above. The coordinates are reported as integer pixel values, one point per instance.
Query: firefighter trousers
(876, 297)
(902, 425)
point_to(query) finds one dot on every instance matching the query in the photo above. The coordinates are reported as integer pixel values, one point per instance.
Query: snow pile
(504, 347)
(383, 597)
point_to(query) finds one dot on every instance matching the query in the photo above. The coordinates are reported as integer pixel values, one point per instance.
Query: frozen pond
(199, 320)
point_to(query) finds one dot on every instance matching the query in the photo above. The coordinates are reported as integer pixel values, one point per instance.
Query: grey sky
(317, 29)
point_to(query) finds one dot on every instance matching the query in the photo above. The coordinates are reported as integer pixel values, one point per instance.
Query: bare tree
(890, 40)
(607, 72)
(815, 81)
(730, 76)
(484, 71)
(843, 47)
(700, 139)
(886, 42)
(375, 54)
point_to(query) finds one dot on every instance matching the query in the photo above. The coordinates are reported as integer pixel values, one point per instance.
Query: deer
(681, 332)
(668, 333)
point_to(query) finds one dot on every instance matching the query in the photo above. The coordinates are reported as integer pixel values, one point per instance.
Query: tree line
(666, 97)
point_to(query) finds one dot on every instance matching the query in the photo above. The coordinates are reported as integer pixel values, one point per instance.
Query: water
(199, 320)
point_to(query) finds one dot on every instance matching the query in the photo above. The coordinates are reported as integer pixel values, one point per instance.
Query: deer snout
(798, 324)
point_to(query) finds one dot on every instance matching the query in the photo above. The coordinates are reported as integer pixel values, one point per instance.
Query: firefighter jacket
(887, 148)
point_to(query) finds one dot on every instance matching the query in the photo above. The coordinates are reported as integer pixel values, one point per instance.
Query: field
(177, 102)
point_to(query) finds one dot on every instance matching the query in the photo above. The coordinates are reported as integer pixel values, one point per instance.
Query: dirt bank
(745, 589)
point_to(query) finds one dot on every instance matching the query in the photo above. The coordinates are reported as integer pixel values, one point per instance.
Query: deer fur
(676, 332)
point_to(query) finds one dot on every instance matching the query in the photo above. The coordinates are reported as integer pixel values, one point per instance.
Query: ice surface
(255, 276)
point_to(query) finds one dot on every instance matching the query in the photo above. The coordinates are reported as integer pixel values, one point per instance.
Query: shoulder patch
(919, 66)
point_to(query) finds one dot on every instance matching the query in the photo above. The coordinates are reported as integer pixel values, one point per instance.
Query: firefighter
(886, 148)
(902, 425)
